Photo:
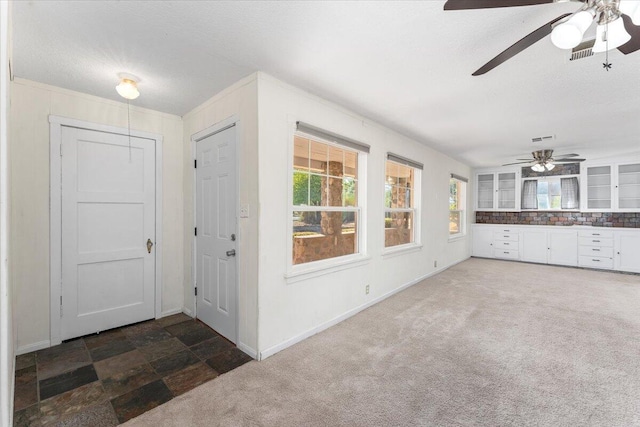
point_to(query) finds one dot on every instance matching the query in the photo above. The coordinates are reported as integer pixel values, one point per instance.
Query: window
(326, 209)
(550, 193)
(457, 199)
(400, 201)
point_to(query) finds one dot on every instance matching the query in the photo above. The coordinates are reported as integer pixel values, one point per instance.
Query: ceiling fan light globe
(631, 8)
(537, 168)
(617, 36)
(569, 34)
(549, 166)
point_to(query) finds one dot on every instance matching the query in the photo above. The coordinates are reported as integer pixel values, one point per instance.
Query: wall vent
(539, 139)
(583, 50)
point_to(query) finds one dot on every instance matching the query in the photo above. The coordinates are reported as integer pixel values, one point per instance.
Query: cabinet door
(534, 246)
(627, 253)
(599, 188)
(628, 196)
(485, 191)
(563, 247)
(507, 190)
(482, 238)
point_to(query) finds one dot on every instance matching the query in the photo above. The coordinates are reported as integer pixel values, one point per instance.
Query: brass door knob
(149, 245)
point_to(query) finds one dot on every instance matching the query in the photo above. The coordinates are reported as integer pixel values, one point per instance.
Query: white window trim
(463, 218)
(544, 178)
(299, 272)
(417, 200)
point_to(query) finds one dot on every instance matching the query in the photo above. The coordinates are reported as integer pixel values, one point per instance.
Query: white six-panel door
(216, 228)
(108, 215)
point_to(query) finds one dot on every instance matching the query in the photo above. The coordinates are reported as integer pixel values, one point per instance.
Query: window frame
(462, 199)
(297, 272)
(546, 179)
(415, 209)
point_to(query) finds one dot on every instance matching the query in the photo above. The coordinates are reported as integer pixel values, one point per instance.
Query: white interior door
(216, 228)
(108, 214)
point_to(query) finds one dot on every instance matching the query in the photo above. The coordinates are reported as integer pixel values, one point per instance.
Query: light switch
(244, 211)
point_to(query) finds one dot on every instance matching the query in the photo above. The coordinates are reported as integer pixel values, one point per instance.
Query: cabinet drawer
(595, 251)
(596, 241)
(595, 262)
(506, 253)
(605, 234)
(505, 244)
(504, 235)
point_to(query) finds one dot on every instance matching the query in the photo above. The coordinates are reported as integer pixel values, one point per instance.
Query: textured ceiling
(407, 65)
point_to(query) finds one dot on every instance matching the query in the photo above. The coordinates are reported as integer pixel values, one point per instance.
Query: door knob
(149, 245)
(232, 252)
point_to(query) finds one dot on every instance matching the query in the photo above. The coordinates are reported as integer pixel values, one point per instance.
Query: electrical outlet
(435, 264)
(366, 289)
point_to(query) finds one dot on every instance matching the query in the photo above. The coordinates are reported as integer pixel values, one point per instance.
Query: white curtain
(570, 198)
(530, 194)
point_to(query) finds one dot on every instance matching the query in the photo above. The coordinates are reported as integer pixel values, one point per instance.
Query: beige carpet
(487, 342)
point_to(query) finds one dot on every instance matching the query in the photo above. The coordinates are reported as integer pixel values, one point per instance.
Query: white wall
(32, 103)
(290, 311)
(238, 100)
(7, 339)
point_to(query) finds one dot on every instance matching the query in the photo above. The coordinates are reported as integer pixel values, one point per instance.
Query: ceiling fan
(544, 160)
(618, 26)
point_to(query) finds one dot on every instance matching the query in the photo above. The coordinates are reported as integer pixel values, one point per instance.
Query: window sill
(298, 275)
(457, 237)
(401, 250)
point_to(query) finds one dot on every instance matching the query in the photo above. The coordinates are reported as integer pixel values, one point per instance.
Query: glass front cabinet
(611, 187)
(497, 191)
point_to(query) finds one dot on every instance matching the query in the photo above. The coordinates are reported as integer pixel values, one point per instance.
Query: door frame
(195, 138)
(55, 212)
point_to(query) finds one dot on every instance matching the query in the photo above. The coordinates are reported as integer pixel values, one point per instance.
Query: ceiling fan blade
(568, 155)
(567, 160)
(634, 30)
(519, 46)
(487, 4)
(518, 163)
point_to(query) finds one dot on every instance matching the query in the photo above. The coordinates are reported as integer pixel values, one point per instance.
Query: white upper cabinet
(611, 187)
(497, 191)
(628, 188)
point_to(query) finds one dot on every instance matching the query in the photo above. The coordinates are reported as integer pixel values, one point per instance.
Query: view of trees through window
(399, 204)
(325, 200)
(456, 206)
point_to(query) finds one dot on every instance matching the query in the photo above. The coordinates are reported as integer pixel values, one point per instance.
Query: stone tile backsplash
(596, 219)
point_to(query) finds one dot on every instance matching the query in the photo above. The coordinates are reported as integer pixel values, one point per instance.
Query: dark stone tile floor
(108, 378)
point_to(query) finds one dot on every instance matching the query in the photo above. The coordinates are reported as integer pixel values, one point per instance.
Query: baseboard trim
(248, 350)
(310, 332)
(171, 312)
(40, 345)
(188, 312)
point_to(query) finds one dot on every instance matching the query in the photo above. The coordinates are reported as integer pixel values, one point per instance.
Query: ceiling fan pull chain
(607, 64)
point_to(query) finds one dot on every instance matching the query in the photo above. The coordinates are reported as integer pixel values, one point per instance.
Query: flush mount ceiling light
(128, 88)
(618, 26)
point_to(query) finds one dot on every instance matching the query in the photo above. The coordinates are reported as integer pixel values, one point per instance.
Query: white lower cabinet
(546, 246)
(627, 251)
(595, 249)
(534, 245)
(562, 247)
(591, 247)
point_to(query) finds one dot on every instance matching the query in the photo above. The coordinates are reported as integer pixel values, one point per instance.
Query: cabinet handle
(507, 253)
(596, 260)
(595, 250)
(507, 231)
(506, 244)
(595, 234)
(596, 241)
